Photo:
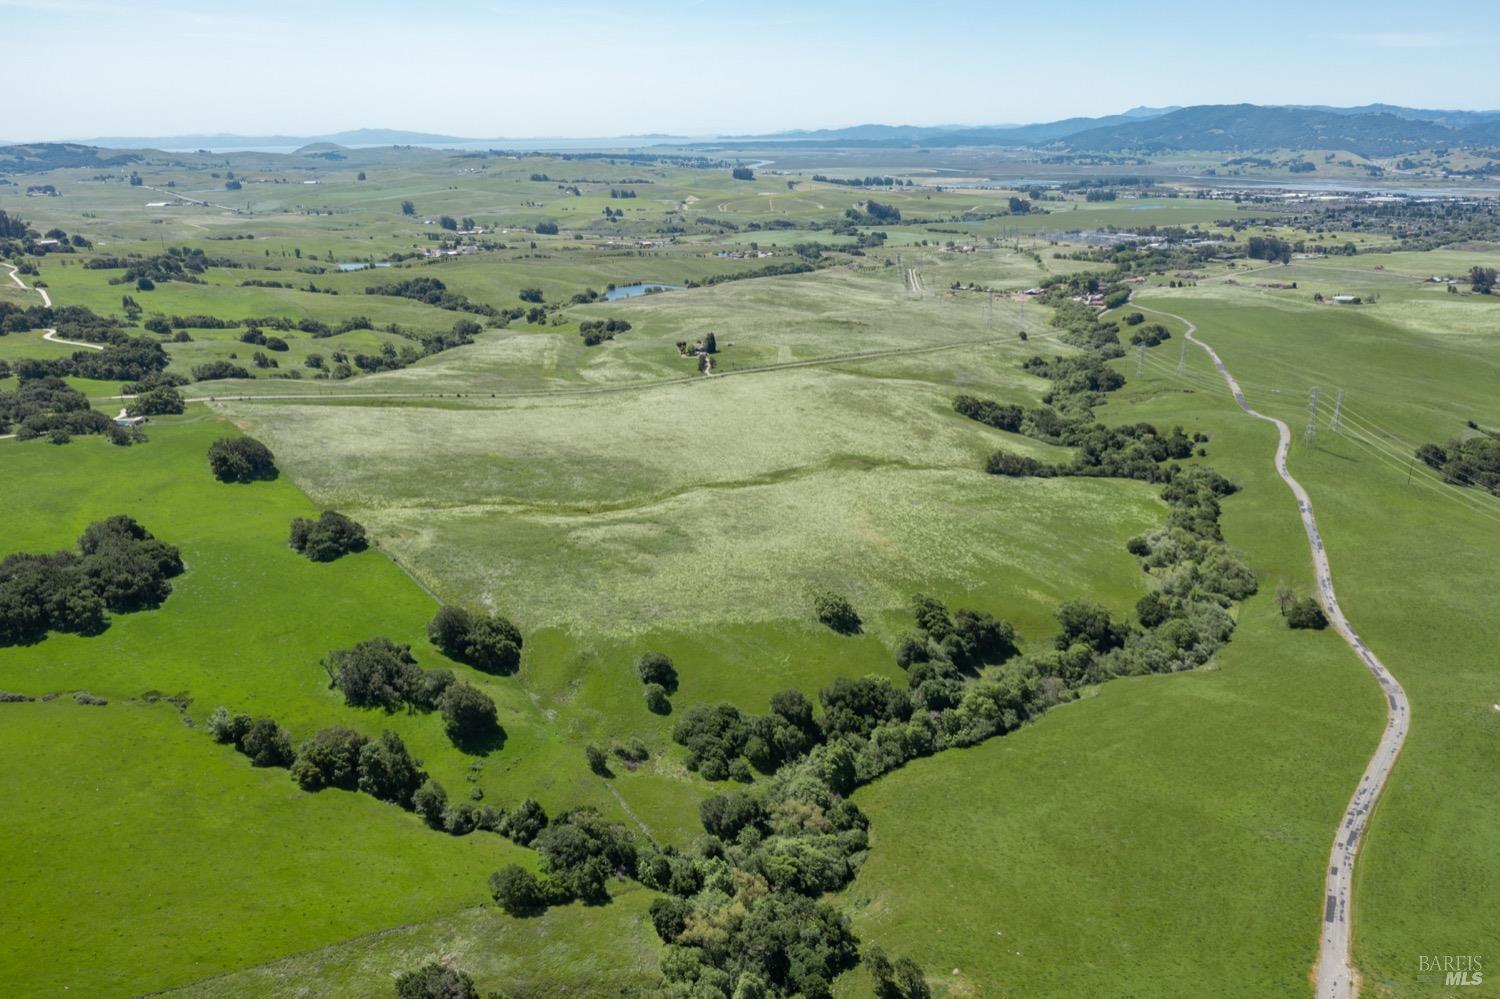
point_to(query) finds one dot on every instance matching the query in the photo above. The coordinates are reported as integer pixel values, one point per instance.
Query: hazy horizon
(492, 70)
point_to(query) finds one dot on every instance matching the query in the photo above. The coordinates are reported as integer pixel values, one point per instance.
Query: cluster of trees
(163, 400)
(1078, 381)
(330, 536)
(72, 322)
(383, 768)
(658, 676)
(596, 331)
(241, 459)
(621, 193)
(1150, 336)
(217, 371)
(433, 292)
(118, 567)
(378, 673)
(742, 173)
(166, 324)
(177, 263)
(12, 226)
(48, 405)
(1464, 462)
(255, 336)
(1270, 248)
(124, 359)
(545, 228)
(580, 852)
(1482, 279)
(1130, 452)
(488, 642)
(769, 270)
(861, 181)
(873, 213)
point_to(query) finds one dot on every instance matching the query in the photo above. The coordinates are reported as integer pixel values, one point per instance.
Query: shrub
(836, 612)
(460, 819)
(517, 890)
(429, 801)
(432, 980)
(598, 760)
(656, 699)
(241, 459)
(656, 667)
(217, 370)
(227, 728)
(1305, 613)
(267, 744)
(328, 537)
(388, 772)
(468, 713)
(523, 823)
(633, 752)
(1013, 465)
(329, 759)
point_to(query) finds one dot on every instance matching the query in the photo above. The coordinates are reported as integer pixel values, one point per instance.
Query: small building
(129, 421)
(1346, 300)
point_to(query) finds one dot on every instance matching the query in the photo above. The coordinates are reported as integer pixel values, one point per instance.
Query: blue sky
(497, 68)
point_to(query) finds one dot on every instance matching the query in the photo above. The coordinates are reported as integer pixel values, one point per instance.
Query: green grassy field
(1163, 836)
(212, 865)
(1415, 562)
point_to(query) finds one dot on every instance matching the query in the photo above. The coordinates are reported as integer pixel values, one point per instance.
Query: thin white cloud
(1403, 39)
(63, 6)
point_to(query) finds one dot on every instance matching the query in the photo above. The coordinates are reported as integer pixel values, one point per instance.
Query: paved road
(194, 201)
(1335, 977)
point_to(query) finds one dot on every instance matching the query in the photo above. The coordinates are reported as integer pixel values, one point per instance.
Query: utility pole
(1336, 425)
(1312, 416)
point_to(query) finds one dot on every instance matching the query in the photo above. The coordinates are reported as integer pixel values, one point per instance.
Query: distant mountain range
(945, 134)
(223, 140)
(1234, 127)
(1369, 130)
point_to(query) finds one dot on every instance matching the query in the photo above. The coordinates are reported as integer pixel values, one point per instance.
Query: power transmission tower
(1312, 416)
(1140, 360)
(1336, 425)
(1182, 359)
(989, 310)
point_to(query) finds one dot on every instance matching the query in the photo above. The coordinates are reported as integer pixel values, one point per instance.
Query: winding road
(49, 335)
(1335, 975)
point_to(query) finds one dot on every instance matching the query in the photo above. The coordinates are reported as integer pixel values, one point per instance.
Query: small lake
(360, 265)
(637, 290)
